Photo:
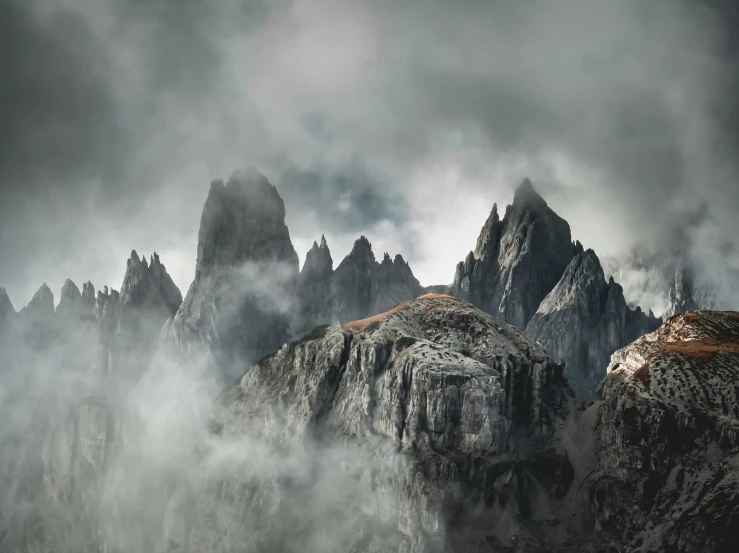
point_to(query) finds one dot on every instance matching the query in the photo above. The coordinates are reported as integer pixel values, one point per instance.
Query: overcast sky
(401, 120)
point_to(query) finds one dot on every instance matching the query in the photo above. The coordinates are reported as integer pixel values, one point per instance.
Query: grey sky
(400, 120)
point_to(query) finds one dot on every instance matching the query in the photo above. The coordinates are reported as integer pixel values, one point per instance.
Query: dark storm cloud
(59, 133)
(55, 103)
(358, 196)
(401, 120)
(625, 103)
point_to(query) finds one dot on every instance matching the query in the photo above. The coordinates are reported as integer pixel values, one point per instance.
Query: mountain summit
(518, 260)
(239, 304)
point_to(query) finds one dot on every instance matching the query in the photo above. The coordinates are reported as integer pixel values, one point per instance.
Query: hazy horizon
(401, 121)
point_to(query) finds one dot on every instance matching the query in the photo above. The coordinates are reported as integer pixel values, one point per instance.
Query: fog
(402, 121)
(94, 459)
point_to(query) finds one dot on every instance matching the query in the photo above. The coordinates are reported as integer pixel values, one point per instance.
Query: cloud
(622, 113)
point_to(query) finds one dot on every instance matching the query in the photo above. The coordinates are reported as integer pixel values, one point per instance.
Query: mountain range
(351, 409)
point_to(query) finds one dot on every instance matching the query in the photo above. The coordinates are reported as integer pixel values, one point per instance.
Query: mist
(92, 457)
(402, 121)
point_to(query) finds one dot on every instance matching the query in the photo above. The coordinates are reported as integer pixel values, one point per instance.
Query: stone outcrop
(432, 427)
(450, 389)
(517, 260)
(358, 288)
(70, 300)
(148, 298)
(583, 320)
(41, 305)
(92, 344)
(313, 291)
(400, 425)
(661, 470)
(239, 306)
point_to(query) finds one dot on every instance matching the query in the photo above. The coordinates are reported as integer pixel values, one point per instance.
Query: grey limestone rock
(517, 260)
(351, 284)
(663, 459)
(240, 303)
(583, 320)
(70, 300)
(451, 391)
(313, 290)
(148, 298)
(41, 305)
(358, 288)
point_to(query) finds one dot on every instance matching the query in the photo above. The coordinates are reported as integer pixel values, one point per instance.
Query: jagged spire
(318, 260)
(362, 249)
(526, 196)
(70, 299)
(42, 302)
(489, 237)
(243, 221)
(149, 285)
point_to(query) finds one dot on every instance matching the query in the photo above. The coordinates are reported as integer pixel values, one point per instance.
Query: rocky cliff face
(92, 344)
(452, 390)
(517, 260)
(313, 291)
(148, 298)
(358, 288)
(239, 305)
(662, 451)
(432, 427)
(429, 427)
(583, 320)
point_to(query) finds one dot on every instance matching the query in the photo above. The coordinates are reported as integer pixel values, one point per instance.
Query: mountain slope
(238, 305)
(583, 320)
(664, 443)
(359, 287)
(405, 430)
(517, 260)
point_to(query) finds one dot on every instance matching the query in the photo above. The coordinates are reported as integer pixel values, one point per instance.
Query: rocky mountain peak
(239, 305)
(489, 238)
(665, 436)
(243, 221)
(105, 302)
(362, 249)
(526, 197)
(398, 261)
(518, 260)
(149, 285)
(584, 319)
(680, 295)
(42, 303)
(318, 261)
(88, 295)
(70, 300)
